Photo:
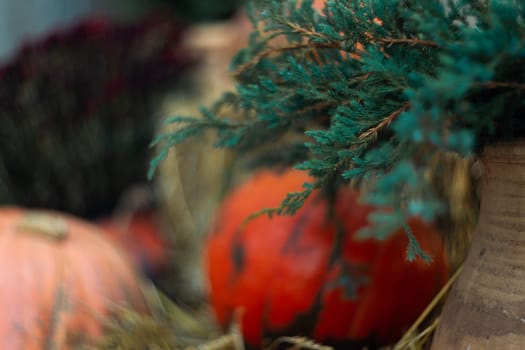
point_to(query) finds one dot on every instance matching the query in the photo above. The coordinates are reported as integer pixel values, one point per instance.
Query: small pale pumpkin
(59, 279)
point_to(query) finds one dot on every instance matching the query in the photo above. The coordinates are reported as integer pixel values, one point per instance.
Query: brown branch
(310, 33)
(387, 41)
(272, 50)
(501, 84)
(316, 107)
(414, 42)
(384, 123)
(359, 78)
(252, 62)
(330, 44)
(317, 57)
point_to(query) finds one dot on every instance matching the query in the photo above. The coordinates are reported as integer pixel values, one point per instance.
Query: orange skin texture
(140, 234)
(286, 271)
(56, 293)
(318, 4)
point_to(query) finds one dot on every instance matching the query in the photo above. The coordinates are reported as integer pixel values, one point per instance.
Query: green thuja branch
(374, 89)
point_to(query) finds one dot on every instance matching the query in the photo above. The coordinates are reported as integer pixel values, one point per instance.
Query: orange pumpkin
(309, 274)
(59, 279)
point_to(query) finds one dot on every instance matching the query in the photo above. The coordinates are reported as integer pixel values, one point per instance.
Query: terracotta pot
(486, 307)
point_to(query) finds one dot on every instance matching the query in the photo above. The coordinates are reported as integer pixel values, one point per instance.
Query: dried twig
(298, 343)
(408, 338)
(498, 84)
(413, 42)
(226, 342)
(384, 123)
(272, 50)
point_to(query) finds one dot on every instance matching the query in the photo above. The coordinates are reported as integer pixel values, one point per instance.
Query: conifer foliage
(370, 91)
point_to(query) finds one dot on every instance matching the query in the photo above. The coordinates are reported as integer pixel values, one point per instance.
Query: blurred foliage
(168, 327)
(77, 111)
(205, 10)
(186, 10)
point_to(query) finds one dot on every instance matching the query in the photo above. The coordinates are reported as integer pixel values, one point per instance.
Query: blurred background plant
(83, 88)
(21, 20)
(78, 112)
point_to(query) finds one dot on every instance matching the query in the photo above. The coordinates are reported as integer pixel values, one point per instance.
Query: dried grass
(171, 327)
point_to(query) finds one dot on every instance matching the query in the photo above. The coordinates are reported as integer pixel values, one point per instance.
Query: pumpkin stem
(43, 223)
